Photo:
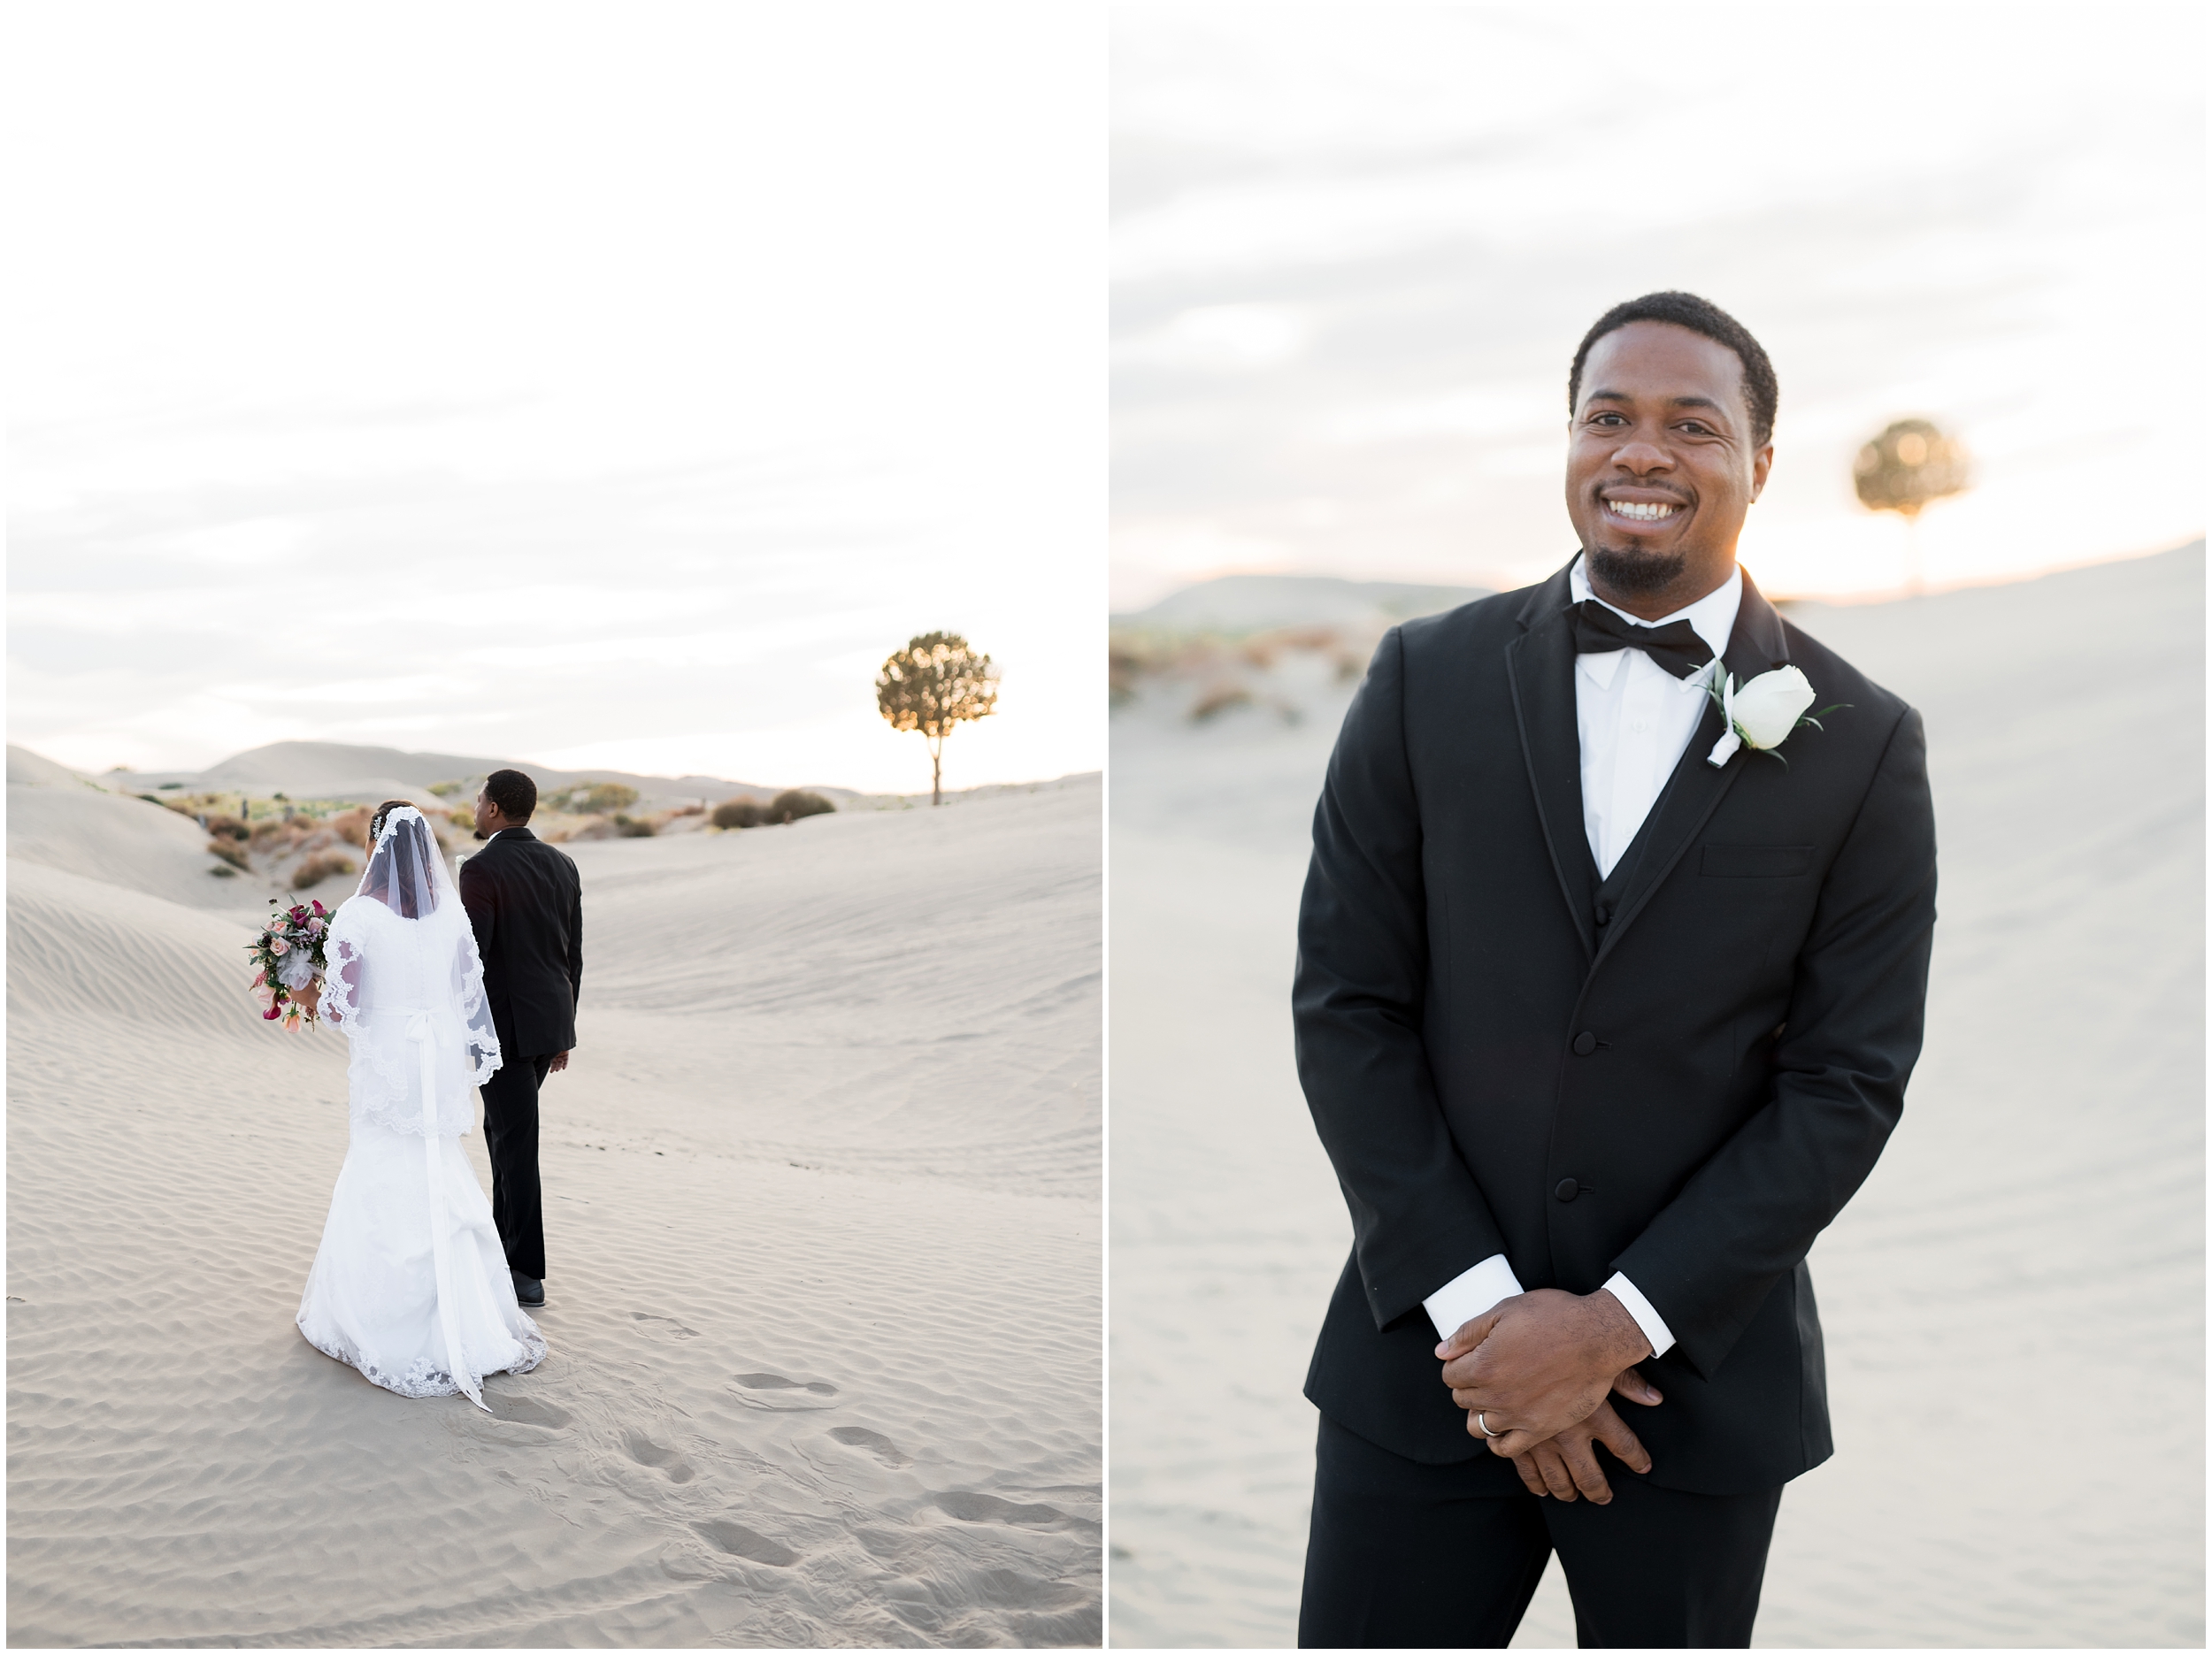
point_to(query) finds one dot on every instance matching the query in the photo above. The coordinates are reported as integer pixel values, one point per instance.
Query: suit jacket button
(1585, 1043)
(1568, 1189)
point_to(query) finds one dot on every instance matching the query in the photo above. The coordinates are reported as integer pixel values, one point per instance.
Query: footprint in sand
(668, 1324)
(1010, 1589)
(741, 1542)
(989, 1508)
(525, 1411)
(646, 1451)
(875, 1442)
(777, 1381)
(778, 1394)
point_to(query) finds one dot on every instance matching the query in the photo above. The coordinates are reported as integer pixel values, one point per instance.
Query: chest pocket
(1756, 861)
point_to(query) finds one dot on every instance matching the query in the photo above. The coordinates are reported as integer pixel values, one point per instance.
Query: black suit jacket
(1752, 1007)
(526, 904)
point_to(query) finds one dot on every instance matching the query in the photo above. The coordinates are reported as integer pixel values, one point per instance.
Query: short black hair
(1761, 394)
(515, 794)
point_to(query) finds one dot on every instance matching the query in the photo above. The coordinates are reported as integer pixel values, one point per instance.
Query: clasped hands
(1538, 1369)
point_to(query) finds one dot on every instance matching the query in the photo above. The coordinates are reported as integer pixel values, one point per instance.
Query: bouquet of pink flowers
(289, 952)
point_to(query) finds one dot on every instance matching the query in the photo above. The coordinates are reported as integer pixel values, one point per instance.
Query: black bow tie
(1676, 645)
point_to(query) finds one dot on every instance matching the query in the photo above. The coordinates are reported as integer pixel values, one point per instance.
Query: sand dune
(57, 820)
(27, 769)
(1247, 603)
(824, 1229)
(2027, 1262)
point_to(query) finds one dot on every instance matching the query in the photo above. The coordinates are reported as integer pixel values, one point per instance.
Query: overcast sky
(596, 385)
(1355, 247)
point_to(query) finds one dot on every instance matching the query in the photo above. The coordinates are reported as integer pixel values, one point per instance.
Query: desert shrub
(1217, 700)
(633, 827)
(446, 790)
(351, 827)
(463, 819)
(598, 827)
(266, 833)
(317, 869)
(229, 827)
(794, 803)
(595, 798)
(739, 813)
(687, 810)
(1124, 662)
(230, 850)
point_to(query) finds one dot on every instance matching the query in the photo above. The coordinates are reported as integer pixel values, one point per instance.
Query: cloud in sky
(1354, 248)
(592, 387)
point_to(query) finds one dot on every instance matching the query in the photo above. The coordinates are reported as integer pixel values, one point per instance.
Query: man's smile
(1639, 509)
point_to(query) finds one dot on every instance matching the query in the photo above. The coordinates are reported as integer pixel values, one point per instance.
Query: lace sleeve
(476, 1011)
(341, 984)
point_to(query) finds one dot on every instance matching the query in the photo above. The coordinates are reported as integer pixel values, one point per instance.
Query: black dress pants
(1408, 1555)
(510, 1137)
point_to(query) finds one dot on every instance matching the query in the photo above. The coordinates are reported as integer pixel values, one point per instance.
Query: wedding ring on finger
(1485, 1424)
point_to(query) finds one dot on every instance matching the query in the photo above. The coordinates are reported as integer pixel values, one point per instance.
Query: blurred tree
(936, 682)
(1910, 464)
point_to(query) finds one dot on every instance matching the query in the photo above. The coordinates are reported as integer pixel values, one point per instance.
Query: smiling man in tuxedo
(1602, 1016)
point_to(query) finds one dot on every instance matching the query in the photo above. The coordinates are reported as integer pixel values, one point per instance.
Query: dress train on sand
(373, 1299)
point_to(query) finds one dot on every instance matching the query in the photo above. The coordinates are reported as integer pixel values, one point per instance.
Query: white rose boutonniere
(1761, 714)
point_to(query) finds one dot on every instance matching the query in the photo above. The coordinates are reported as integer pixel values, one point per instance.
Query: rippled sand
(823, 1226)
(2014, 1303)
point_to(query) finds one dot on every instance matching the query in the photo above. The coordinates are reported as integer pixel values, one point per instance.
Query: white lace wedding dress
(410, 1284)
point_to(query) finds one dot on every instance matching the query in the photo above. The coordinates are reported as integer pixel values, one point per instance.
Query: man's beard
(480, 834)
(1634, 574)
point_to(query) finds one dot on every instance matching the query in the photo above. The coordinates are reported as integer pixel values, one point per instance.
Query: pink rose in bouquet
(289, 954)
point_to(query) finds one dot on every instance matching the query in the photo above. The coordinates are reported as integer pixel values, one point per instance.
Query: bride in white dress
(410, 1284)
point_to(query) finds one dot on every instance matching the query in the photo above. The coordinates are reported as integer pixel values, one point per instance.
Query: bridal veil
(407, 987)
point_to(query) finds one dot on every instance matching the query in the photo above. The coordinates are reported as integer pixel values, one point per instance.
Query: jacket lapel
(1541, 664)
(1756, 645)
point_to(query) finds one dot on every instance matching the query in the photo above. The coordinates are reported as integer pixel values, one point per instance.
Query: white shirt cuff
(1469, 1293)
(1639, 1306)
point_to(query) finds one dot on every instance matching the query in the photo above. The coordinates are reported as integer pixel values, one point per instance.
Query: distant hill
(335, 762)
(335, 769)
(1251, 603)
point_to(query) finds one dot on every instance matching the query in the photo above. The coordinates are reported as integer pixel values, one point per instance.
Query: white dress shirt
(1633, 719)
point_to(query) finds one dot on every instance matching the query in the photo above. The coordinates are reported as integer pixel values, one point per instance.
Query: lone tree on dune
(1910, 464)
(937, 681)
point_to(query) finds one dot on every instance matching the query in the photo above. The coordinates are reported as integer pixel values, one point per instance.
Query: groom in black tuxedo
(1599, 1034)
(525, 904)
